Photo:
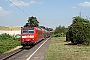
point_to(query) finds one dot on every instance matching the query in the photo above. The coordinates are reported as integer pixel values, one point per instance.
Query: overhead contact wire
(19, 8)
(24, 6)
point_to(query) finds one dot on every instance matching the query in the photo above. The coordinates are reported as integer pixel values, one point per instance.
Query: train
(31, 35)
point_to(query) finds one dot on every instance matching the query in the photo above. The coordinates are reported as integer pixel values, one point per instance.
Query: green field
(61, 50)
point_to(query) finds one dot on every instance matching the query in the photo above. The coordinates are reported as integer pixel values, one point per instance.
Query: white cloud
(3, 12)
(19, 3)
(74, 7)
(85, 4)
(22, 3)
(33, 2)
(1, 9)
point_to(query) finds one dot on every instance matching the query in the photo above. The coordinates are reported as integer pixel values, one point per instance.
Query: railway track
(6, 56)
(10, 54)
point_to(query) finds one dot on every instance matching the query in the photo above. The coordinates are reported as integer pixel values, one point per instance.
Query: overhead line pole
(80, 14)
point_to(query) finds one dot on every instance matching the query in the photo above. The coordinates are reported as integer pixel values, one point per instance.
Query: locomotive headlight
(33, 39)
(23, 36)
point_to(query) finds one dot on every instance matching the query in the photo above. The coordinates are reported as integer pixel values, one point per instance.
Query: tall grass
(61, 50)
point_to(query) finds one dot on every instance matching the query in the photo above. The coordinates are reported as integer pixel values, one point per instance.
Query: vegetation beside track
(79, 31)
(61, 50)
(60, 31)
(8, 42)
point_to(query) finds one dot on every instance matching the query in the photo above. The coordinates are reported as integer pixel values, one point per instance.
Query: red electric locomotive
(31, 35)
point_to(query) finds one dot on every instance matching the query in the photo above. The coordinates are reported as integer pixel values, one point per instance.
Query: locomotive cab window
(28, 31)
(25, 31)
(31, 31)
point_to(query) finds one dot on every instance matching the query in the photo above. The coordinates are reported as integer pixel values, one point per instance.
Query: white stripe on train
(27, 36)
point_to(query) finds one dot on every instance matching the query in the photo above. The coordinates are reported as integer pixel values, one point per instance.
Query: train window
(31, 32)
(25, 31)
(28, 29)
(31, 28)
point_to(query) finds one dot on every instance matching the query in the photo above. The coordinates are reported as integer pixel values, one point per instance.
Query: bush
(5, 36)
(79, 31)
(8, 42)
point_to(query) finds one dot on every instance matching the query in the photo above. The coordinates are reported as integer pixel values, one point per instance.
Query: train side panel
(38, 34)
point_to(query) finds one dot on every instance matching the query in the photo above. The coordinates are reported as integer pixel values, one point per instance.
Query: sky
(49, 13)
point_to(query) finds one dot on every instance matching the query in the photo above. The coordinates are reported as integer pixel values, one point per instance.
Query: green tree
(79, 31)
(32, 21)
(60, 31)
(42, 27)
(46, 28)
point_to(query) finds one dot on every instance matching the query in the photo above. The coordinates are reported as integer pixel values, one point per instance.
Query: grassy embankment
(60, 50)
(8, 42)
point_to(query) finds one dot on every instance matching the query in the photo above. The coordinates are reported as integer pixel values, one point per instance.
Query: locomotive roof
(34, 27)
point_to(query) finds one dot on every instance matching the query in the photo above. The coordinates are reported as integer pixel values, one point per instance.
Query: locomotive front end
(27, 36)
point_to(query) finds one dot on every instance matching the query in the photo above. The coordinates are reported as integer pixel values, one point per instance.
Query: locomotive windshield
(25, 31)
(28, 31)
(31, 31)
